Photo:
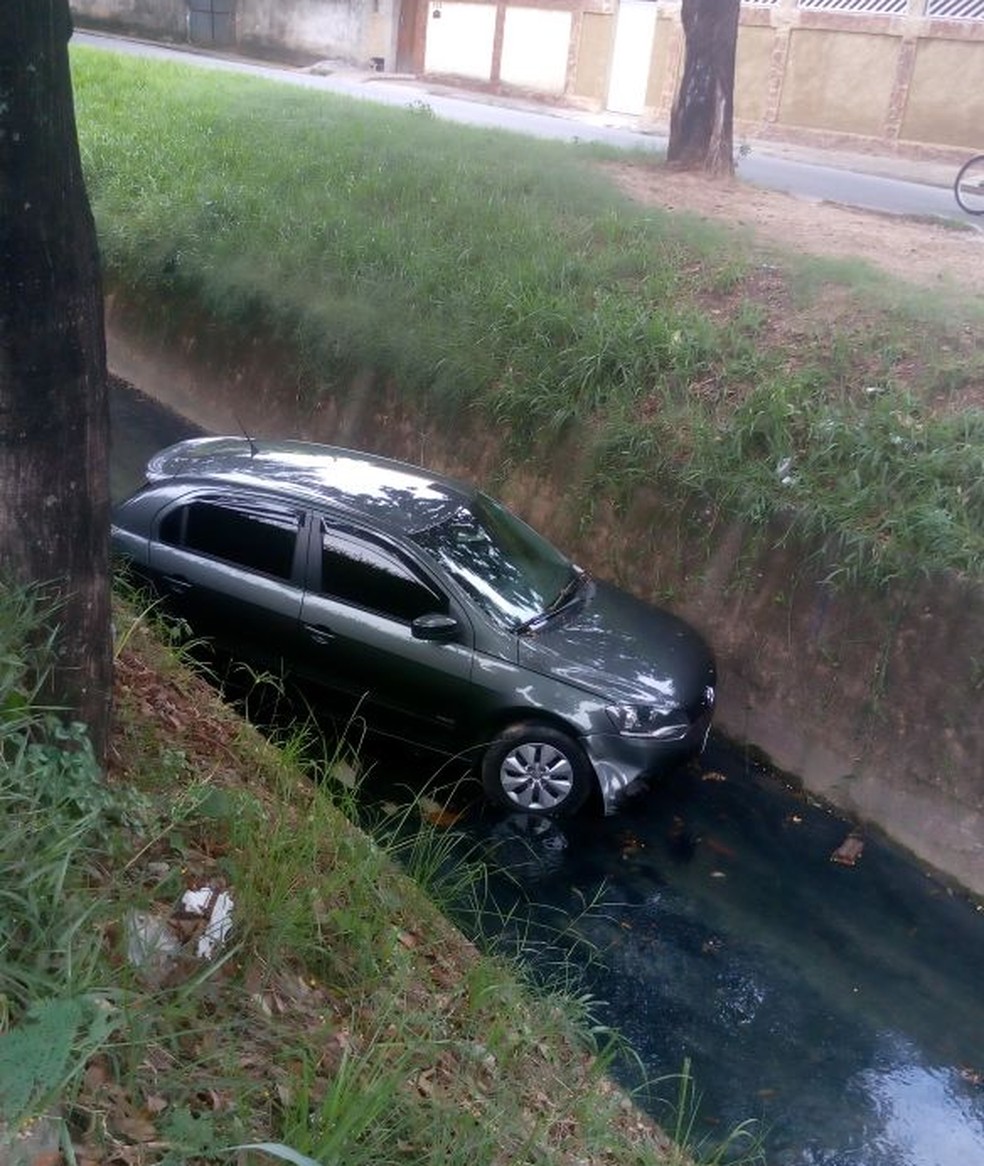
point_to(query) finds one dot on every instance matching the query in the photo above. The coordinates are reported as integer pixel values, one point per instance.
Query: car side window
(259, 536)
(359, 571)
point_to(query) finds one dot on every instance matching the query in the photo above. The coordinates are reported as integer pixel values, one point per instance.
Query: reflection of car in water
(433, 608)
(529, 846)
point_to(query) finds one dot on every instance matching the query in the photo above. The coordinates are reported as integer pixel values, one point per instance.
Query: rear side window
(259, 536)
(360, 572)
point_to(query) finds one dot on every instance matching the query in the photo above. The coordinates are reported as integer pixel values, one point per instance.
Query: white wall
(535, 45)
(635, 29)
(460, 39)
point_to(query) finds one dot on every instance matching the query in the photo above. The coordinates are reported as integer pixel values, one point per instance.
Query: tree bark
(701, 122)
(54, 420)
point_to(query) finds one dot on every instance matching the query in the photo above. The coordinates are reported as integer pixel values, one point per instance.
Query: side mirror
(437, 627)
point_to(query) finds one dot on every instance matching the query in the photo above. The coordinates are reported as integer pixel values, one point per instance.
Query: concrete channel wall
(871, 701)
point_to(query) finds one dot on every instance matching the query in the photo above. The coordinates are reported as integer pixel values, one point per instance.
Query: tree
(701, 122)
(54, 419)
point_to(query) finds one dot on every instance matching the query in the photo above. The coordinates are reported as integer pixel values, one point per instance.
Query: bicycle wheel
(969, 186)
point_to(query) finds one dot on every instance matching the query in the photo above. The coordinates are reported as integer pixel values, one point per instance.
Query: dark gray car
(427, 605)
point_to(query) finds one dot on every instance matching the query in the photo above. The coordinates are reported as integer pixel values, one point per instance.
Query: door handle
(177, 584)
(318, 633)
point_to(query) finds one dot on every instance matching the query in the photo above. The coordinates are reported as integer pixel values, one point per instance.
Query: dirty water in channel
(838, 1003)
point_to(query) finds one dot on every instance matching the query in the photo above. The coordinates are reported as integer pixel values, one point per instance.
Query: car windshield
(510, 571)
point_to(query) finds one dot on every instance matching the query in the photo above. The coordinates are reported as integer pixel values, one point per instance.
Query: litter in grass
(151, 945)
(156, 943)
(215, 907)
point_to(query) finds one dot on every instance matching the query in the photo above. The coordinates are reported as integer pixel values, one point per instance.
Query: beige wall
(947, 91)
(752, 67)
(164, 19)
(906, 82)
(335, 29)
(838, 81)
(663, 71)
(594, 51)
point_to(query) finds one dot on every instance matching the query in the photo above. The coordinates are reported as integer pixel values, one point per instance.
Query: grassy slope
(344, 1016)
(484, 272)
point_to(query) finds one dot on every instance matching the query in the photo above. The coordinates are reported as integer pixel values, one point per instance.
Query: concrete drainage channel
(872, 701)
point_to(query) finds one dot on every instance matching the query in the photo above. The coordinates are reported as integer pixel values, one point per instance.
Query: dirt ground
(926, 253)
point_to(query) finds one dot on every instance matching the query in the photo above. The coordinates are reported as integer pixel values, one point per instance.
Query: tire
(969, 186)
(537, 769)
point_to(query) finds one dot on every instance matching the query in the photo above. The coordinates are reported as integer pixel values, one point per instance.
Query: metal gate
(212, 22)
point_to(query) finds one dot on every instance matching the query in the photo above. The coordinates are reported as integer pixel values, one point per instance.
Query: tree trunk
(54, 420)
(701, 123)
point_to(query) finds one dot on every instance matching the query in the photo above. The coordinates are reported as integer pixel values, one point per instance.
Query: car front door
(357, 637)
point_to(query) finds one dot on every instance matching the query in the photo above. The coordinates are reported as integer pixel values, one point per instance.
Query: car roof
(396, 493)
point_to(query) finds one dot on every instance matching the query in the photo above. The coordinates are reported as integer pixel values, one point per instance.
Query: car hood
(613, 644)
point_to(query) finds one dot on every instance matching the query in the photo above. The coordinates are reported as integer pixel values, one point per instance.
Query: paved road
(890, 185)
(868, 191)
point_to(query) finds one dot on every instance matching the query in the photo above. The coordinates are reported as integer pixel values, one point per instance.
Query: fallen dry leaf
(134, 1127)
(849, 851)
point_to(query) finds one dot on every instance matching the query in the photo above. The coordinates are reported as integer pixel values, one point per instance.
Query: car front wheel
(536, 769)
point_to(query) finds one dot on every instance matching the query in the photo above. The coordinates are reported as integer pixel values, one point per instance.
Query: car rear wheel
(537, 769)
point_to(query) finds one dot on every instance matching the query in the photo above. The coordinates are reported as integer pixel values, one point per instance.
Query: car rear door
(355, 635)
(231, 565)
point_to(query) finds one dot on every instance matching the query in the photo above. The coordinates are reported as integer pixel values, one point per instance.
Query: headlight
(646, 720)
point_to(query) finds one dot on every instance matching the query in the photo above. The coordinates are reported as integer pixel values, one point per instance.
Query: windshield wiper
(562, 599)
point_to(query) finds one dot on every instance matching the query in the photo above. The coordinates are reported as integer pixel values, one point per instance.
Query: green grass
(55, 1007)
(344, 1019)
(494, 278)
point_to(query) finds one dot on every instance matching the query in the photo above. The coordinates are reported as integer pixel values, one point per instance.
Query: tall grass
(54, 1009)
(479, 271)
(344, 1020)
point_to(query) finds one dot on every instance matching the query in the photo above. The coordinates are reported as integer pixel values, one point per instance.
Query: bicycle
(968, 187)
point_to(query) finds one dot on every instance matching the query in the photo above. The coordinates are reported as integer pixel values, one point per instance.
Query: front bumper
(621, 762)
